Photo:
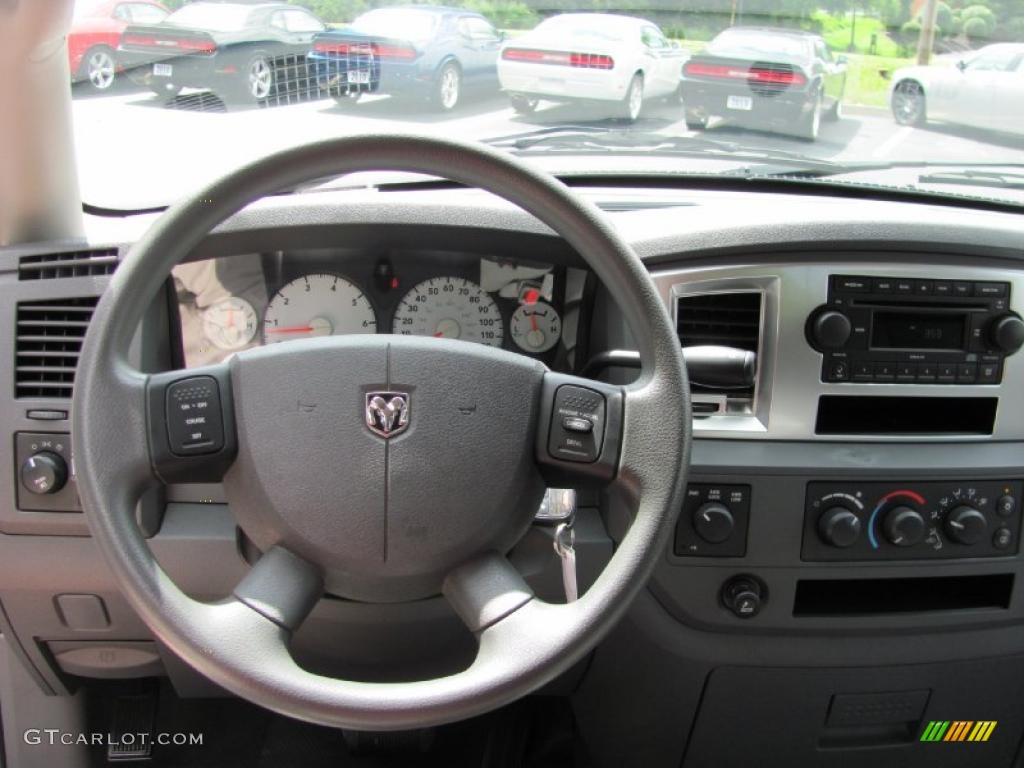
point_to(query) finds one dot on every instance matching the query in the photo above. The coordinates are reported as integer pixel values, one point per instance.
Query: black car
(245, 53)
(765, 79)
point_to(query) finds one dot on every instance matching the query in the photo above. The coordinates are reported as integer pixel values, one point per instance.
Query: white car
(594, 57)
(984, 91)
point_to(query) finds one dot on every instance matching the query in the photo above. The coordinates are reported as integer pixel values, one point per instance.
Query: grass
(836, 31)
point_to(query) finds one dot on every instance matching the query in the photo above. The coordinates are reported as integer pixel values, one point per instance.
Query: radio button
(924, 287)
(947, 372)
(884, 285)
(853, 284)
(926, 372)
(963, 289)
(991, 290)
(943, 288)
(988, 373)
(967, 373)
(906, 372)
(885, 371)
(863, 371)
(904, 286)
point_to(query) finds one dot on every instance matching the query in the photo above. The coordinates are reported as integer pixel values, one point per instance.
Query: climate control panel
(847, 521)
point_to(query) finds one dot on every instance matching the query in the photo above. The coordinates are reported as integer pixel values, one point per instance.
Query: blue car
(417, 51)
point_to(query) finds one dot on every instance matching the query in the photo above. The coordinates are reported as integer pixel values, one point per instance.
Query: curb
(865, 111)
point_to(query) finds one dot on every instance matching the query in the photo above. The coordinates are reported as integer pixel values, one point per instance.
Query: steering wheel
(380, 468)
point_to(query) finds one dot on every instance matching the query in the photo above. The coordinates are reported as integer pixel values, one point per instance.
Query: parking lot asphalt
(133, 141)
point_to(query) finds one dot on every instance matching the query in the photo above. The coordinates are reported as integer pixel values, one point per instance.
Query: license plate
(360, 77)
(162, 70)
(745, 103)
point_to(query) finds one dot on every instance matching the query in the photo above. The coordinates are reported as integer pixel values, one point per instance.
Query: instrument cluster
(231, 303)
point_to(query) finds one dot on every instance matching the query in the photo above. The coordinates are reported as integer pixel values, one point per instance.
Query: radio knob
(44, 472)
(1006, 333)
(831, 329)
(839, 527)
(966, 525)
(904, 526)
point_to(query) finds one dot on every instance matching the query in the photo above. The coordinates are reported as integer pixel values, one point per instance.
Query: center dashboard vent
(49, 266)
(48, 341)
(720, 319)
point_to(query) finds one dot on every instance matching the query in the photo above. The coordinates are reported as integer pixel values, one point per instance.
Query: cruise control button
(195, 424)
(574, 406)
(576, 424)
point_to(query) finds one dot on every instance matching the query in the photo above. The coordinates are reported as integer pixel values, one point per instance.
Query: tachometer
(452, 308)
(318, 304)
(230, 323)
(535, 327)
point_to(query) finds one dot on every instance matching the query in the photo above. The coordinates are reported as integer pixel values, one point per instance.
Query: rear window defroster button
(577, 424)
(195, 424)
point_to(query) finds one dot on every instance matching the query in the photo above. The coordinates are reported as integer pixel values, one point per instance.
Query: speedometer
(451, 308)
(318, 304)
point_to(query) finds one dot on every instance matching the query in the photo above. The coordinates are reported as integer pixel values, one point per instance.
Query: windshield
(211, 16)
(872, 94)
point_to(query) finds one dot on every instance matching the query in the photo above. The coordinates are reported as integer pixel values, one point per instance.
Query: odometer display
(451, 308)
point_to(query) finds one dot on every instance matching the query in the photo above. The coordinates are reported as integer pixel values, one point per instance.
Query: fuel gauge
(535, 327)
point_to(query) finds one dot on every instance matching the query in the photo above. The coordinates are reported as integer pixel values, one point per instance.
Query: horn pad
(387, 460)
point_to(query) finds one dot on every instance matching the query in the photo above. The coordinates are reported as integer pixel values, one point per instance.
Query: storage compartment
(866, 717)
(860, 597)
(869, 415)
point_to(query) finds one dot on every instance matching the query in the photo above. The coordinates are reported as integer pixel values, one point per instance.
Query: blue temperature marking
(871, 526)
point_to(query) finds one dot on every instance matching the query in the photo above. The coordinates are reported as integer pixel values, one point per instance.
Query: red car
(96, 33)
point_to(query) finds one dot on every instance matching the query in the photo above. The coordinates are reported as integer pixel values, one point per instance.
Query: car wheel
(256, 82)
(448, 88)
(633, 103)
(99, 69)
(810, 125)
(523, 105)
(695, 121)
(908, 103)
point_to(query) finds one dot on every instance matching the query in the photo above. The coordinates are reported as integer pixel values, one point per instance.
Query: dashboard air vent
(48, 340)
(48, 266)
(720, 319)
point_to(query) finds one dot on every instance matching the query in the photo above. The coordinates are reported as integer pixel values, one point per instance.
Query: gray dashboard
(782, 247)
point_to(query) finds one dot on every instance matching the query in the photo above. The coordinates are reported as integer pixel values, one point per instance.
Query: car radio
(913, 331)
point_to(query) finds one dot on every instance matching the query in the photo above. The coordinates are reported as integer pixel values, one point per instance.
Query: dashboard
(227, 304)
(846, 567)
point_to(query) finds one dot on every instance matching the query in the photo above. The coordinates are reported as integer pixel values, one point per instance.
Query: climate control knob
(1006, 333)
(44, 472)
(839, 527)
(831, 329)
(713, 522)
(966, 525)
(904, 526)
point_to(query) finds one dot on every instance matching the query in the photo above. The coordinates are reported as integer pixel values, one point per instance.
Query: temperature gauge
(535, 327)
(230, 324)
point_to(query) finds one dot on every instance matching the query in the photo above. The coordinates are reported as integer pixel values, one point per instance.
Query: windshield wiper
(973, 178)
(576, 139)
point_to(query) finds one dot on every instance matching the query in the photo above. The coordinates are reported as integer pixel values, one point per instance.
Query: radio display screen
(911, 330)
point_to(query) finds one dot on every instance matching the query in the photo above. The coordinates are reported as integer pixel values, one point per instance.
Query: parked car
(984, 91)
(769, 79)
(591, 56)
(96, 33)
(244, 53)
(430, 51)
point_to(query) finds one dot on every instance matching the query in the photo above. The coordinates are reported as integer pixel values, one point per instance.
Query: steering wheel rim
(241, 642)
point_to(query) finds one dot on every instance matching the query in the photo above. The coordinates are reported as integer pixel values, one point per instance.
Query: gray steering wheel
(430, 506)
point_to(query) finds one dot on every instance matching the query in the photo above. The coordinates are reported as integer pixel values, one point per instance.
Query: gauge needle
(533, 322)
(438, 335)
(293, 329)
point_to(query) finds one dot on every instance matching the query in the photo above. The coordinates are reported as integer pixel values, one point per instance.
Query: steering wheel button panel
(194, 421)
(578, 427)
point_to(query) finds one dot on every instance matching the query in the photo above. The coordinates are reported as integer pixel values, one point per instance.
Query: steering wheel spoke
(486, 590)
(282, 587)
(191, 421)
(579, 431)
